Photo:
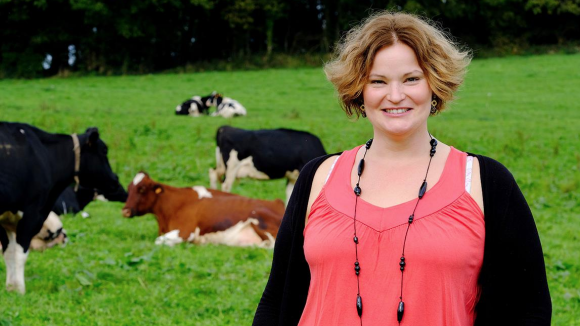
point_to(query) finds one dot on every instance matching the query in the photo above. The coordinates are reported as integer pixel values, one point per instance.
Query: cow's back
(23, 163)
(275, 152)
(221, 213)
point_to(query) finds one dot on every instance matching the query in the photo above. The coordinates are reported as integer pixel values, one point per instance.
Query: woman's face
(397, 96)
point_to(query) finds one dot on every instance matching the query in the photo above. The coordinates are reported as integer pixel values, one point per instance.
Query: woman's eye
(413, 79)
(377, 81)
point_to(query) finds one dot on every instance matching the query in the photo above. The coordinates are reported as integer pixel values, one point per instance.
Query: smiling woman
(401, 220)
(397, 98)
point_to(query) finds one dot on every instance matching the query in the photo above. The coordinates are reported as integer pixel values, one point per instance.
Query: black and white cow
(195, 106)
(73, 202)
(225, 106)
(35, 167)
(262, 154)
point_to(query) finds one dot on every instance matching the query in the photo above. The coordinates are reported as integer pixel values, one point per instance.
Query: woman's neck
(401, 148)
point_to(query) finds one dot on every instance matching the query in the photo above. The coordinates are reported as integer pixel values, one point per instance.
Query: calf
(191, 212)
(35, 167)
(262, 154)
(196, 106)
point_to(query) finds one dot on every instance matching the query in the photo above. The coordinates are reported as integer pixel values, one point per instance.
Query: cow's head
(143, 193)
(214, 99)
(95, 171)
(85, 195)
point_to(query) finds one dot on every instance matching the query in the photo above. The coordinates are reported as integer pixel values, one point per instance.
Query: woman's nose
(396, 93)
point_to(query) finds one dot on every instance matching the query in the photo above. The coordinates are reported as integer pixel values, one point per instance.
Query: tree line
(48, 37)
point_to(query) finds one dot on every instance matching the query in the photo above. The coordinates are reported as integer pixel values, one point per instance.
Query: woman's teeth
(396, 111)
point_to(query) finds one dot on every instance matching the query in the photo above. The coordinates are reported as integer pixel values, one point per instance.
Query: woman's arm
(513, 276)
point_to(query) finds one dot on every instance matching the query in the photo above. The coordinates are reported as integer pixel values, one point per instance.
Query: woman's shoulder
(491, 169)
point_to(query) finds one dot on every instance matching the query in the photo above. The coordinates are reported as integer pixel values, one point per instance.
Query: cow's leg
(17, 252)
(292, 177)
(213, 178)
(219, 171)
(289, 189)
(15, 258)
(233, 166)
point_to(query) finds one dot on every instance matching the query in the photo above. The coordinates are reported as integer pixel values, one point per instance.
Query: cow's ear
(93, 136)
(157, 189)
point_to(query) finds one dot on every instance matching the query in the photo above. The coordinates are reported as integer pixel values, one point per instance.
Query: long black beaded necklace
(402, 263)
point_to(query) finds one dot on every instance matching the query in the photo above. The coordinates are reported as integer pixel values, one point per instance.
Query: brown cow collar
(77, 150)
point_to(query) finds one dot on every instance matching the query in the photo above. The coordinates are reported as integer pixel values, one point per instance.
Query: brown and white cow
(186, 214)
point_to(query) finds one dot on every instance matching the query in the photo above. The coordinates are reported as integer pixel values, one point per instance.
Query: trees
(138, 36)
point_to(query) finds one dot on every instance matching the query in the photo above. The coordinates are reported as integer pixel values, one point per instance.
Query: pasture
(522, 111)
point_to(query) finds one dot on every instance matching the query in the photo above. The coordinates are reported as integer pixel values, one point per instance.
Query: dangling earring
(434, 105)
(362, 108)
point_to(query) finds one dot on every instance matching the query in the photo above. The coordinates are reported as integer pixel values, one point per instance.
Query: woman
(404, 230)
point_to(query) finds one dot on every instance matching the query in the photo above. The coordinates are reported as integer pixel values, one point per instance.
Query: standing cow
(35, 167)
(262, 154)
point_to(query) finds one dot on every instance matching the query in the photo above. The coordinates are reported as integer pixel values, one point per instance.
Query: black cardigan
(513, 276)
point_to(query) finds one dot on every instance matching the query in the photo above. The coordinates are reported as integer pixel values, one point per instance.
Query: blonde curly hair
(441, 59)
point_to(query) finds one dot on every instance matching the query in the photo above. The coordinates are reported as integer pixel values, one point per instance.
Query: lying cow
(262, 154)
(51, 234)
(73, 202)
(225, 106)
(35, 168)
(192, 212)
(195, 106)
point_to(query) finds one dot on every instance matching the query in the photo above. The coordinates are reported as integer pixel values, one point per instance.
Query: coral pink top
(444, 253)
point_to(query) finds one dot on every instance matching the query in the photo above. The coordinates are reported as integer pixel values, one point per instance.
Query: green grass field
(522, 111)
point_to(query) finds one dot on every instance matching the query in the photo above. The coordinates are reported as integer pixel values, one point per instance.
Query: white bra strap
(331, 168)
(468, 170)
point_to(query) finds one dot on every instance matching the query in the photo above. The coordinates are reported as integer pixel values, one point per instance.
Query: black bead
(361, 167)
(433, 142)
(423, 189)
(369, 143)
(357, 273)
(411, 217)
(356, 263)
(357, 190)
(400, 311)
(432, 153)
(402, 258)
(357, 268)
(402, 268)
(359, 305)
(355, 240)
(402, 263)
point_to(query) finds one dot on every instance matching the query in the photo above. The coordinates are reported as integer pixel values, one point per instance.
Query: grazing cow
(73, 202)
(262, 154)
(192, 212)
(225, 106)
(195, 106)
(35, 167)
